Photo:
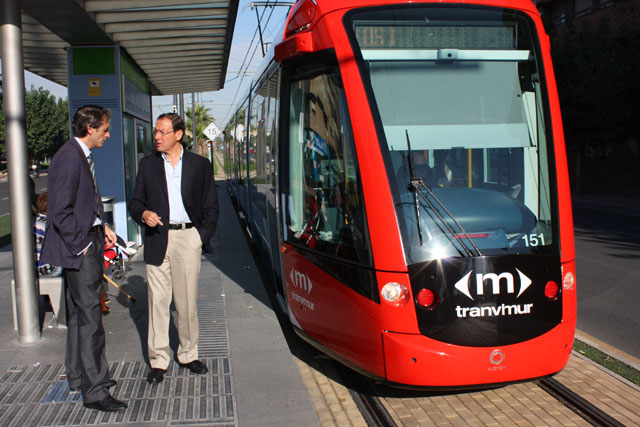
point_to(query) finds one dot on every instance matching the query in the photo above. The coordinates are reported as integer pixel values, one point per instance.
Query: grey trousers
(85, 361)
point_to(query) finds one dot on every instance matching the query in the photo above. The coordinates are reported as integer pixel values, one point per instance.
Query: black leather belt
(181, 226)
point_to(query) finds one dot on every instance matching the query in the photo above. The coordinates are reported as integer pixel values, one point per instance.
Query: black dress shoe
(74, 388)
(196, 366)
(155, 375)
(108, 404)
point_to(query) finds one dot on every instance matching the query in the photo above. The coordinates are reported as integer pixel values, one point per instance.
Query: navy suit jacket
(199, 197)
(72, 207)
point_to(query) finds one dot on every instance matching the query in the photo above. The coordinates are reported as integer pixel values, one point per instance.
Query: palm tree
(203, 118)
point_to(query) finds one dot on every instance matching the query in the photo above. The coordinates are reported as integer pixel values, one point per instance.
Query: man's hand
(109, 236)
(151, 219)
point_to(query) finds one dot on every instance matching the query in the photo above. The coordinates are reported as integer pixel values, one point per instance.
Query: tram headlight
(568, 281)
(395, 294)
(301, 17)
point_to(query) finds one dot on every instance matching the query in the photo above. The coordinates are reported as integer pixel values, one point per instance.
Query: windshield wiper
(418, 186)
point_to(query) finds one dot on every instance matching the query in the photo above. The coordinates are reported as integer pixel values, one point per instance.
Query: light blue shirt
(177, 213)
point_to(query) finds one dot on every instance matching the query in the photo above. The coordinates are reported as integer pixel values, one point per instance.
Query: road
(41, 185)
(608, 271)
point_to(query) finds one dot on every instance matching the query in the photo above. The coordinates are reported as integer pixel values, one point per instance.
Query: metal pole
(182, 106)
(175, 103)
(17, 159)
(211, 156)
(193, 122)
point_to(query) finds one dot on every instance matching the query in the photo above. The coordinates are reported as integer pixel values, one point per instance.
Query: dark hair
(176, 122)
(89, 115)
(41, 203)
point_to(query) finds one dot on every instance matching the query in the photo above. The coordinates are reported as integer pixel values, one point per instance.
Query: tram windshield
(459, 93)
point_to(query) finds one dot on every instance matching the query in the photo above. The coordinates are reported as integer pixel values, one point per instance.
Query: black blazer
(73, 203)
(199, 197)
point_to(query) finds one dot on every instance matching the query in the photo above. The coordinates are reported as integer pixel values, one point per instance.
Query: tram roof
(182, 45)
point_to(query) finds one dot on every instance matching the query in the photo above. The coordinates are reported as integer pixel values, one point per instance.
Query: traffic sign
(212, 131)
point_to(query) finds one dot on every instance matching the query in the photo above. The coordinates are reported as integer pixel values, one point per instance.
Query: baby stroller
(114, 256)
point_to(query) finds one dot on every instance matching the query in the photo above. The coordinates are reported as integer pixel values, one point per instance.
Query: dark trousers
(85, 361)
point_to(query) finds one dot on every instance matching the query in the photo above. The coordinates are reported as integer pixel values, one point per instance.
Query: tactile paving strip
(39, 396)
(214, 336)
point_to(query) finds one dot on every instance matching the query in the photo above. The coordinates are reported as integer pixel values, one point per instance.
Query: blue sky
(244, 59)
(222, 103)
(36, 81)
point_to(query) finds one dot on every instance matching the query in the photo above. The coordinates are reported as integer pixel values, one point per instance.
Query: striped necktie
(92, 166)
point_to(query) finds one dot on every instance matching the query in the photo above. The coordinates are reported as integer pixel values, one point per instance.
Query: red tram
(402, 169)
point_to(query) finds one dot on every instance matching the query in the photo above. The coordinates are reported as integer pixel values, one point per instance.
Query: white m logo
(463, 284)
(301, 280)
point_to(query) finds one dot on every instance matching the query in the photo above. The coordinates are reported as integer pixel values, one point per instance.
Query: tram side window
(240, 137)
(258, 162)
(324, 210)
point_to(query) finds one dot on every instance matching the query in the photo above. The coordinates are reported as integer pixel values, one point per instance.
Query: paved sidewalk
(253, 380)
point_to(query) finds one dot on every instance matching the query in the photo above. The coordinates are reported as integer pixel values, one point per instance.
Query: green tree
(47, 122)
(203, 118)
(596, 72)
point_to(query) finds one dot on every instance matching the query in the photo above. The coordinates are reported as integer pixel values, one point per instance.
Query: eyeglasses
(162, 132)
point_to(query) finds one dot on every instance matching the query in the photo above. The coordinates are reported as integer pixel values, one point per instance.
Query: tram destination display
(371, 36)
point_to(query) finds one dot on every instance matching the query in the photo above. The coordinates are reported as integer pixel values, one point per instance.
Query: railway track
(577, 404)
(363, 392)
(373, 406)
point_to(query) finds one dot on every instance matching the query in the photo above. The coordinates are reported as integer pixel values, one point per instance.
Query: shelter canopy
(182, 45)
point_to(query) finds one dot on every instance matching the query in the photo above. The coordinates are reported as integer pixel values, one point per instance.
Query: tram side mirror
(447, 54)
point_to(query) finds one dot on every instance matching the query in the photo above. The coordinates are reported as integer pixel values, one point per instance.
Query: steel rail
(363, 393)
(592, 414)
(372, 410)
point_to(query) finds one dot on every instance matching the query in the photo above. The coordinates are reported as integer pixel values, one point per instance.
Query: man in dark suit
(75, 239)
(176, 203)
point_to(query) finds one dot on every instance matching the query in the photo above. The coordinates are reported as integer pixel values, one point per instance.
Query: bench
(54, 288)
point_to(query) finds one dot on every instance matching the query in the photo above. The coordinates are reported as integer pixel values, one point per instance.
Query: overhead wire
(273, 7)
(249, 47)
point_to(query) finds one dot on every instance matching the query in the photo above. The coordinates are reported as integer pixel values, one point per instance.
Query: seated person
(442, 174)
(39, 227)
(421, 167)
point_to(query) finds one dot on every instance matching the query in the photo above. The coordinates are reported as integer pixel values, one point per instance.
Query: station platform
(254, 377)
